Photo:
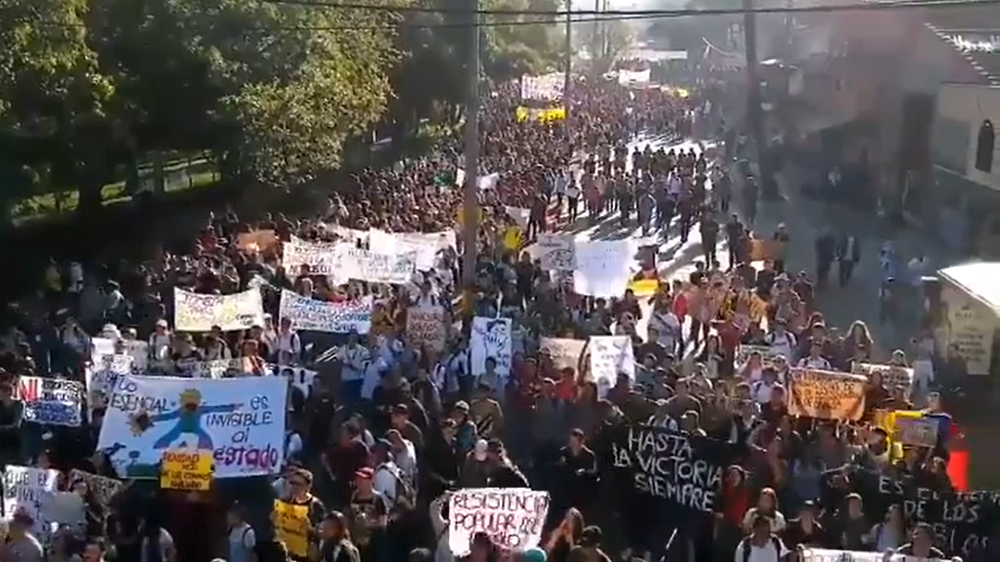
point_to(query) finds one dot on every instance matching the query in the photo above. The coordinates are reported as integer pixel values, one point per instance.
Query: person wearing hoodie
(503, 473)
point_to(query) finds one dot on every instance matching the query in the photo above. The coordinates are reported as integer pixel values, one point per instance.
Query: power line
(556, 17)
(651, 14)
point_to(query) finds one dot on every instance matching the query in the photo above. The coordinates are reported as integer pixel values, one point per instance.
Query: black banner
(675, 468)
(963, 521)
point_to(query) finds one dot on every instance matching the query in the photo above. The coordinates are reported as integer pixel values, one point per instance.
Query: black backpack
(747, 548)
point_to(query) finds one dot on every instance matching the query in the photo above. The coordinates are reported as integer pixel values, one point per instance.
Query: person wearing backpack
(241, 540)
(761, 545)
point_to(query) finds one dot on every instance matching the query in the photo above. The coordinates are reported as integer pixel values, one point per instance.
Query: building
(864, 92)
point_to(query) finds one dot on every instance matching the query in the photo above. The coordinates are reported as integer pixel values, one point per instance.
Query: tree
(50, 86)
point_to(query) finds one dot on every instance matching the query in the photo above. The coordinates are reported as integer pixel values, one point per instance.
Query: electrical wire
(611, 14)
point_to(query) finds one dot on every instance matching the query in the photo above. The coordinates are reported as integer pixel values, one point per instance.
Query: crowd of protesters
(387, 432)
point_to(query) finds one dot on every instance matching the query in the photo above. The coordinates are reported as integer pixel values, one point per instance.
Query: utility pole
(568, 78)
(470, 206)
(755, 116)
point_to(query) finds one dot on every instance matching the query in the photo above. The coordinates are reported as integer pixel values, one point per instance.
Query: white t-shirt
(384, 481)
(766, 553)
(783, 344)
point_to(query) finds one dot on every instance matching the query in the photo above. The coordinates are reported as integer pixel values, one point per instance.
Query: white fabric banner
(194, 312)
(557, 252)
(609, 356)
(31, 491)
(321, 316)
(425, 245)
(240, 420)
(602, 267)
(378, 267)
(321, 257)
(491, 338)
(512, 517)
(823, 555)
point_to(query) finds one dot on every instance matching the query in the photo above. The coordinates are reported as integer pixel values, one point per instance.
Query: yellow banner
(291, 526)
(186, 470)
(523, 114)
(644, 287)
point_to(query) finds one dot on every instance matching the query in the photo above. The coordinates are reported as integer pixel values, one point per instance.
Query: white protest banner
(139, 350)
(427, 327)
(512, 517)
(491, 339)
(557, 252)
(50, 401)
(565, 352)
(322, 258)
(376, 267)
(194, 312)
(217, 368)
(609, 356)
(241, 420)
(322, 316)
(29, 490)
(823, 555)
(520, 216)
(892, 375)
(602, 267)
(103, 374)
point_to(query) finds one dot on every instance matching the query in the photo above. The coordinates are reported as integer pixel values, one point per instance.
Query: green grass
(199, 173)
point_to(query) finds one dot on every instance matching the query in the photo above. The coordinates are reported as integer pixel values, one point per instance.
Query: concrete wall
(967, 106)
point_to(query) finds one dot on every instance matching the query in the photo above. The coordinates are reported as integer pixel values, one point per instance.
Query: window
(984, 147)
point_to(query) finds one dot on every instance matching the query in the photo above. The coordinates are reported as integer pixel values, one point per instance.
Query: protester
(417, 417)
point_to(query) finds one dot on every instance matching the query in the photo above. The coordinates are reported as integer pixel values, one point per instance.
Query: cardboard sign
(291, 526)
(826, 395)
(186, 470)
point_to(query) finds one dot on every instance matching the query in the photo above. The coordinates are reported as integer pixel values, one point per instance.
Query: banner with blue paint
(51, 401)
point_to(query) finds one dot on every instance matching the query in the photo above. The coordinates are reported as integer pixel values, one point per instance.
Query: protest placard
(137, 349)
(743, 353)
(322, 316)
(219, 368)
(676, 469)
(378, 266)
(557, 252)
(565, 352)
(511, 517)
(103, 374)
(603, 267)
(824, 555)
(826, 395)
(263, 240)
(291, 527)
(916, 432)
(892, 375)
(963, 522)
(491, 339)
(186, 470)
(323, 258)
(51, 401)
(427, 327)
(242, 420)
(30, 490)
(102, 487)
(610, 356)
(194, 312)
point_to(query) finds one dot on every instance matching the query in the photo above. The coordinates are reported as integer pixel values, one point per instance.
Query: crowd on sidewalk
(326, 389)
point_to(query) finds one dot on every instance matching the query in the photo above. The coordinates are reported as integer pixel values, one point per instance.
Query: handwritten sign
(609, 356)
(322, 316)
(565, 352)
(916, 432)
(291, 526)
(51, 401)
(186, 470)
(30, 490)
(826, 395)
(557, 252)
(511, 517)
(194, 312)
(257, 240)
(892, 375)
(491, 339)
(427, 327)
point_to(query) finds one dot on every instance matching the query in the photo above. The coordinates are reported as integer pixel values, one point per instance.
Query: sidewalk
(805, 219)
